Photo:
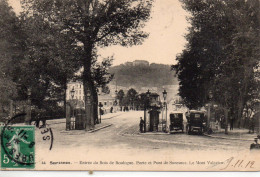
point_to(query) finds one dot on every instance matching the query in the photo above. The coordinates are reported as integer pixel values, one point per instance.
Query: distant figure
(252, 125)
(141, 125)
(231, 123)
(217, 124)
(111, 110)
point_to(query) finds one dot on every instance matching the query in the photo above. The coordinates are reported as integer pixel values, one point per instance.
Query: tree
(93, 23)
(101, 78)
(221, 54)
(131, 96)
(49, 60)
(9, 52)
(120, 96)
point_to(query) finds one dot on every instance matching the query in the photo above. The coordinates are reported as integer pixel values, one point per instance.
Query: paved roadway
(122, 142)
(124, 134)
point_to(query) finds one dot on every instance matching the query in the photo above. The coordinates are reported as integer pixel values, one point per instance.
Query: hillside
(153, 75)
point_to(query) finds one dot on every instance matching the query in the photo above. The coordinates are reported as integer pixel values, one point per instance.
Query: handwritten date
(232, 163)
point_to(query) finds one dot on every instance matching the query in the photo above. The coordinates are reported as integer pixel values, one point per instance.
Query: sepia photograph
(130, 85)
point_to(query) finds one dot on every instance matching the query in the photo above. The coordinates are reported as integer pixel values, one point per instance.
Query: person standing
(231, 123)
(141, 125)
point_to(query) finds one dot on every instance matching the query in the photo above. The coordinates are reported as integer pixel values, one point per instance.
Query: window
(105, 103)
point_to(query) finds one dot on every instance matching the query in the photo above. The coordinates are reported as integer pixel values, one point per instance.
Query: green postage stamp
(18, 147)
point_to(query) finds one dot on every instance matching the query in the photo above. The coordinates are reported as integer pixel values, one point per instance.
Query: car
(196, 122)
(176, 122)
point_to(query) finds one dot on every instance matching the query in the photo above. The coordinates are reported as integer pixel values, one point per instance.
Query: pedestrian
(252, 125)
(141, 125)
(231, 123)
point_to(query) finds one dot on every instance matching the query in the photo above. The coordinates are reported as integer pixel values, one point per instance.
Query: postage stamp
(18, 147)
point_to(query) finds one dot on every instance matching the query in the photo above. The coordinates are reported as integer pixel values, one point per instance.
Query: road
(122, 142)
(124, 133)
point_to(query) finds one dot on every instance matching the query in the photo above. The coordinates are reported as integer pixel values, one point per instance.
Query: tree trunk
(95, 106)
(88, 85)
(226, 120)
(239, 111)
(64, 97)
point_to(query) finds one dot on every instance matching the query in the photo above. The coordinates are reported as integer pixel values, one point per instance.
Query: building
(137, 63)
(107, 100)
(140, 63)
(78, 88)
(129, 63)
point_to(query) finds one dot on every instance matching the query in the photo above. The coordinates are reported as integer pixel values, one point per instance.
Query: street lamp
(148, 93)
(100, 105)
(165, 105)
(72, 93)
(209, 105)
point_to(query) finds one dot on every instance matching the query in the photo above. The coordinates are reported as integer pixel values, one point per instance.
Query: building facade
(78, 88)
(107, 100)
(140, 63)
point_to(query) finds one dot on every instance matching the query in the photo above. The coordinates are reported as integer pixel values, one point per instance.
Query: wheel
(210, 131)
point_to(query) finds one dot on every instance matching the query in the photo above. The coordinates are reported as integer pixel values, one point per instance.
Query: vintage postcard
(130, 85)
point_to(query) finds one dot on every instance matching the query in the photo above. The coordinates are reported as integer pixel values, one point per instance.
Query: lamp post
(145, 107)
(209, 105)
(165, 105)
(100, 105)
(72, 93)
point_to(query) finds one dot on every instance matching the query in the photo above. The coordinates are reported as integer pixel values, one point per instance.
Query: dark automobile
(196, 120)
(176, 122)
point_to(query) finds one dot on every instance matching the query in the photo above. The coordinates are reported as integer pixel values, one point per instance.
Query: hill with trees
(153, 75)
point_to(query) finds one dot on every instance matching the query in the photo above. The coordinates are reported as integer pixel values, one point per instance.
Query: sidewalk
(103, 117)
(110, 115)
(235, 134)
(59, 124)
(80, 132)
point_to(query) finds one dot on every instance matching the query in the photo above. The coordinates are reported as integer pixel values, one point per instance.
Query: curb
(228, 138)
(92, 131)
(111, 117)
(151, 134)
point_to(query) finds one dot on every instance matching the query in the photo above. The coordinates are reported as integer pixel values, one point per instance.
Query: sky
(166, 27)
